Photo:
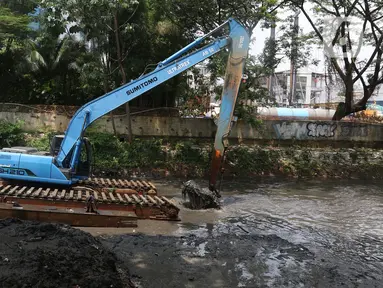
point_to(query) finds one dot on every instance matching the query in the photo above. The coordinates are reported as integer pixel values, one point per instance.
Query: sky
(261, 35)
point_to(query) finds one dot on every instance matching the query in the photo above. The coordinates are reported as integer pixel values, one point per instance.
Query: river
(267, 234)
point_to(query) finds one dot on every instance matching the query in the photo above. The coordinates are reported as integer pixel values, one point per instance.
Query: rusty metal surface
(144, 206)
(70, 216)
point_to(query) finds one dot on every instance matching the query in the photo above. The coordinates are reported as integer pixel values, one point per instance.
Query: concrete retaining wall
(205, 128)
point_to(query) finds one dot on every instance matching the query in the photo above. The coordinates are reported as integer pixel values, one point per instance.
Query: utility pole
(271, 77)
(294, 52)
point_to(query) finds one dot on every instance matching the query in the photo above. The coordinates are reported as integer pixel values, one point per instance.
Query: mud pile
(36, 254)
(199, 198)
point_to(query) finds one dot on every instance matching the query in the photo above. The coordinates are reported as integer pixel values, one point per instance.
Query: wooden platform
(144, 206)
(70, 216)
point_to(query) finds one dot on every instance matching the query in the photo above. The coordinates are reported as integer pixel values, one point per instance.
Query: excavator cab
(84, 166)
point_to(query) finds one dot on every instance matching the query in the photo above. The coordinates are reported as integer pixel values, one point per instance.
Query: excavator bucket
(199, 198)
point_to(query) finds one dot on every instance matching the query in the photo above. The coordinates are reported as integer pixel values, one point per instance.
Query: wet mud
(47, 255)
(297, 234)
(240, 259)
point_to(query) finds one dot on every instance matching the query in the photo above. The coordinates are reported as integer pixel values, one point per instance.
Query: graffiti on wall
(353, 130)
(290, 130)
(308, 130)
(321, 130)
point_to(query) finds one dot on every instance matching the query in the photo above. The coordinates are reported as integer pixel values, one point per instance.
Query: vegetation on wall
(189, 158)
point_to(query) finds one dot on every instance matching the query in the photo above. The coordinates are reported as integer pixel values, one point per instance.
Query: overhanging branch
(360, 76)
(324, 8)
(130, 17)
(336, 8)
(333, 60)
(351, 7)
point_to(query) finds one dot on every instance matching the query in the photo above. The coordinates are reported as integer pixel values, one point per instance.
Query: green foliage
(40, 141)
(10, 134)
(54, 68)
(192, 159)
(143, 154)
(189, 152)
(248, 114)
(113, 154)
(71, 58)
(189, 159)
(193, 17)
(256, 161)
(12, 25)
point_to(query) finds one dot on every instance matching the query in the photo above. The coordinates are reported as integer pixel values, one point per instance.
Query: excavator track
(144, 206)
(120, 185)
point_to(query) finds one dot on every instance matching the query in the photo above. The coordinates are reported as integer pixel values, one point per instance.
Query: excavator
(57, 175)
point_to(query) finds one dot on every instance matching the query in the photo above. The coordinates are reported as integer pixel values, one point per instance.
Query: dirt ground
(48, 255)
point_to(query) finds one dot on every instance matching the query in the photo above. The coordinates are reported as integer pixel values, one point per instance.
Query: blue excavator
(69, 160)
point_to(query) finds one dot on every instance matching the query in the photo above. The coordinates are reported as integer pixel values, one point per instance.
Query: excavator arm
(238, 43)
(64, 166)
(233, 77)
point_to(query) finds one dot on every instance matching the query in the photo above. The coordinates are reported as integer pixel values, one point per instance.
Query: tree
(335, 27)
(12, 26)
(208, 15)
(14, 31)
(100, 22)
(54, 70)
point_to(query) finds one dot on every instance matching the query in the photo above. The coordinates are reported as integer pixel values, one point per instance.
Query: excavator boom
(61, 167)
(59, 181)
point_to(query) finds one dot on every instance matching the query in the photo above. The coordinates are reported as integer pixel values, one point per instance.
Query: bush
(253, 161)
(40, 141)
(112, 153)
(11, 134)
(143, 153)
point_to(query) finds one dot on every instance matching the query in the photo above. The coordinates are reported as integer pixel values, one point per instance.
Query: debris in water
(243, 229)
(199, 198)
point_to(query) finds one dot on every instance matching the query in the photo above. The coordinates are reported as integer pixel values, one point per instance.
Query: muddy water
(281, 234)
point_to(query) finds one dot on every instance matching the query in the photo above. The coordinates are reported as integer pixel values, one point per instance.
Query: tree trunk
(345, 108)
(106, 90)
(341, 110)
(123, 75)
(349, 94)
